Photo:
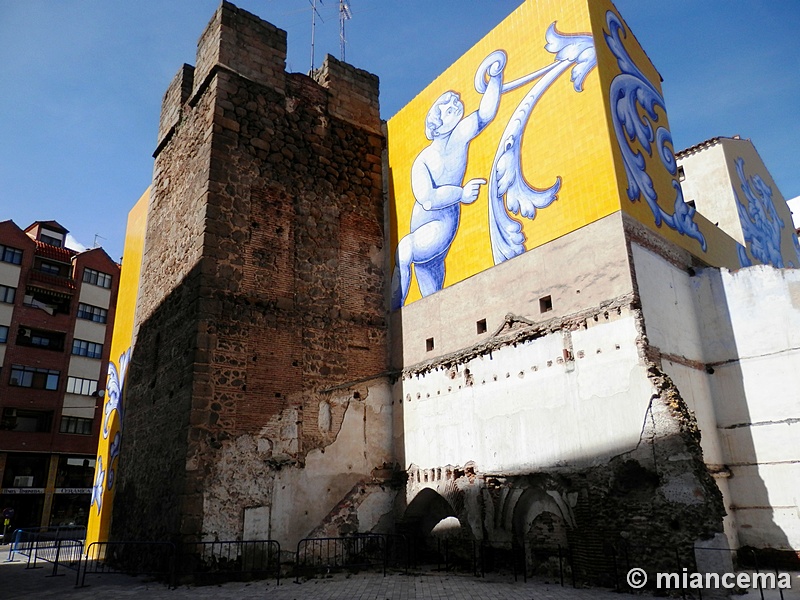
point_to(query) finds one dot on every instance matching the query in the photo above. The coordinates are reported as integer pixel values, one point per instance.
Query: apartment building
(56, 316)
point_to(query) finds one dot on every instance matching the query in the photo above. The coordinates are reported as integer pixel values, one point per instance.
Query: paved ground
(18, 582)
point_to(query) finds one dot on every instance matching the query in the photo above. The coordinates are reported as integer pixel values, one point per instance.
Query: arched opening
(424, 512)
(540, 526)
(435, 534)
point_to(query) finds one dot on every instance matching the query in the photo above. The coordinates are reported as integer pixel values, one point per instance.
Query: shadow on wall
(593, 519)
(154, 493)
(746, 393)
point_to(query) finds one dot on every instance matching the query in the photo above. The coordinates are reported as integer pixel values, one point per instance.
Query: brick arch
(425, 510)
(531, 504)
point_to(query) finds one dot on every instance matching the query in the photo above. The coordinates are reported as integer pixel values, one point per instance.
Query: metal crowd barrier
(25, 540)
(128, 558)
(64, 552)
(333, 553)
(211, 562)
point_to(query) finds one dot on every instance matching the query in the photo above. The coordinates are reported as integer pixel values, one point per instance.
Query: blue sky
(83, 80)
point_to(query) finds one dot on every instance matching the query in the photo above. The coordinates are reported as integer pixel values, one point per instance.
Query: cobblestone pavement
(18, 582)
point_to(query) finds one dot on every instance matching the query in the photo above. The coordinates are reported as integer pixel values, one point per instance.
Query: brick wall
(262, 275)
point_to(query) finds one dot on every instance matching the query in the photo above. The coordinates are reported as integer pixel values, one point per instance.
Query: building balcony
(51, 283)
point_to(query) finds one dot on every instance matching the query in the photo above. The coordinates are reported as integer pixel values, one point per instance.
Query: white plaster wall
(578, 271)
(522, 414)
(696, 392)
(89, 331)
(378, 504)
(729, 521)
(763, 304)
(708, 183)
(794, 207)
(668, 304)
(765, 387)
(747, 331)
(95, 295)
(303, 497)
(9, 274)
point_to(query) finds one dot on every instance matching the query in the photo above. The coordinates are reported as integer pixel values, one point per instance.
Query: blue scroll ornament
(509, 190)
(115, 387)
(97, 489)
(116, 381)
(629, 93)
(761, 224)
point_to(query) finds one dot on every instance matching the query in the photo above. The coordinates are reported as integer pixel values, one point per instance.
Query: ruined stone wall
(559, 424)
(265, 245)
(530, 445)
(150, 501)
(727, 339)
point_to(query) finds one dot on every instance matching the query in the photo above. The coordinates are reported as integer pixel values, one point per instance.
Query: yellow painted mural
(644, 160)
(552, 121)
(765, 217)
(107, 463)
(508, 149)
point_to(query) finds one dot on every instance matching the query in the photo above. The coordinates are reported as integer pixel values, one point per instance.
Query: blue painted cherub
(437, 182)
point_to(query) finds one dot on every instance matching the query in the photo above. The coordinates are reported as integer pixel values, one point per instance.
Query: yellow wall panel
(639, 131)
(765, 217)
(564, 137)
(111, 430)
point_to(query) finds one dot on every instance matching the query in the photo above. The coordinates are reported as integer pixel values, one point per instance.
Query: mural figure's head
(444, 115)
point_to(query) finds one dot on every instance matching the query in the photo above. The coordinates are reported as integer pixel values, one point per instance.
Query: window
(7, 294)
(50, 340)
(87, 349)
(3, 334)
(76, 425)
(78, 385)
(545, 304)
(31, 421)
(480, 326)
(75, 471)
(97, 278)
(50, 303)
(92, 313)
(10, 255)
(49, 239)
(429, 344)
(32, 377)
(50, 268)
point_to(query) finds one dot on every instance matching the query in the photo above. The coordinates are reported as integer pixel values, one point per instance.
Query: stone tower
(261, 322)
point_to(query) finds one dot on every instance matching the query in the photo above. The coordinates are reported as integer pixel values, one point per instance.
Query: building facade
(56, 319)
(345, 327)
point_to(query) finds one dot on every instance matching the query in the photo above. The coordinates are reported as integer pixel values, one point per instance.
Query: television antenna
(314, 15)
(344, 15)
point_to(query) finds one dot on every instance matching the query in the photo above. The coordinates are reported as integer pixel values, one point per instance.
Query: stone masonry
(262, 282)
(260, 401)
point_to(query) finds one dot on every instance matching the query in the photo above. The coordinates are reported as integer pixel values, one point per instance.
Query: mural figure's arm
(491, 67)
(433, 197)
